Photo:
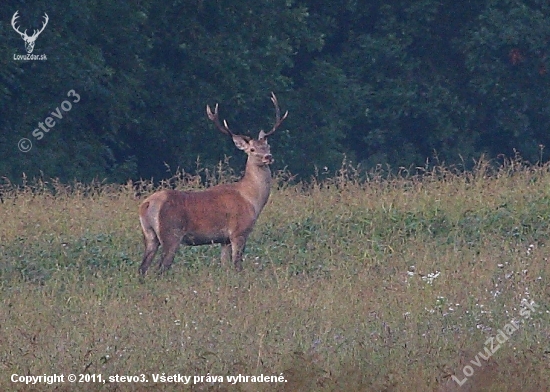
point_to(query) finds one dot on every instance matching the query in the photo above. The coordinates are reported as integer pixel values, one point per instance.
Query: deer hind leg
(152, 243)
(237, 249)
(170, 245)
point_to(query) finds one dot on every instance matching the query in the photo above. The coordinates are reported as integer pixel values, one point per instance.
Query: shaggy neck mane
(255, 185)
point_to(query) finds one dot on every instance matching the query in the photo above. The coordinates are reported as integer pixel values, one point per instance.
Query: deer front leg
(237, 249)
(226, 254)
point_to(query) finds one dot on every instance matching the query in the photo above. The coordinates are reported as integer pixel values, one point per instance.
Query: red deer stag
(223, 214)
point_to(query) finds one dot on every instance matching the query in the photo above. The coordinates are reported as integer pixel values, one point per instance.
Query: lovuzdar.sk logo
(30, 40)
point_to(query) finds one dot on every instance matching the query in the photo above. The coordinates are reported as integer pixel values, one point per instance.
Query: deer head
(29, 41)
(258, 151)
(224, 214)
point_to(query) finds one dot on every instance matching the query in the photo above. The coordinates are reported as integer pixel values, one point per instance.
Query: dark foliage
(391, 83)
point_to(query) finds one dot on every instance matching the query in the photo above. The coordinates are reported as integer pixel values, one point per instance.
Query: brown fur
(224, 214)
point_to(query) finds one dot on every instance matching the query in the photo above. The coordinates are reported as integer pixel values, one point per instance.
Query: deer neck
(255, 185)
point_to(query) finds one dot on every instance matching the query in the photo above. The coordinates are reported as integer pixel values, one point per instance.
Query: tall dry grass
(350, 283)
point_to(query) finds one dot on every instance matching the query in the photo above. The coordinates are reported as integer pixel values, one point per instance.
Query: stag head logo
(29, 40)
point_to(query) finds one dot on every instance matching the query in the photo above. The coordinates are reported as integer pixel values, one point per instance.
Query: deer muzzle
(268, 159)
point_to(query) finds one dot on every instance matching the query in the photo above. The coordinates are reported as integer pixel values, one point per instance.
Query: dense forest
(117, 90)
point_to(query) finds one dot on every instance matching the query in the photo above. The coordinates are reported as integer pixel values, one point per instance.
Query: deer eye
(252, 149)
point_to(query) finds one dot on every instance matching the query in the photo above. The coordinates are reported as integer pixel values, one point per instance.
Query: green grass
(337, 294)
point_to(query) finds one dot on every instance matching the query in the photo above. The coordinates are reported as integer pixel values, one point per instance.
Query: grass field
(391, 283)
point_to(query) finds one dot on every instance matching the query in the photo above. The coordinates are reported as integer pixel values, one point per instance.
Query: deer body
(224, 214)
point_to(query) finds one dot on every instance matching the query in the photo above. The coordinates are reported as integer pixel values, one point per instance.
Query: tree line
(380, 82)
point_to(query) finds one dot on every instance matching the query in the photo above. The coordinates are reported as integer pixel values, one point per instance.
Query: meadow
(351, 282)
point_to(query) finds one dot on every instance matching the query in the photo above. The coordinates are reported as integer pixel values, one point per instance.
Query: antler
(46, 19)
(15, 16)
(278, 119)
(24, 34)
(214, 117)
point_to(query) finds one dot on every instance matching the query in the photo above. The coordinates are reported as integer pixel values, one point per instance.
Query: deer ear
(262, 135)
(240, 141)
